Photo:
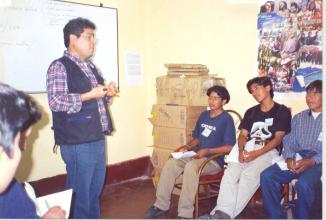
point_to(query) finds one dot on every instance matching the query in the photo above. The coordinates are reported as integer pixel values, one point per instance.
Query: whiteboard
(31, 37)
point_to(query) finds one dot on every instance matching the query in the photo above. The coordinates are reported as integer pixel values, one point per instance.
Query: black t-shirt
(265, 124)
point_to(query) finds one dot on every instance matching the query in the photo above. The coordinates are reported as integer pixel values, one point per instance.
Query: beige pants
(171, 170)
(240, 182)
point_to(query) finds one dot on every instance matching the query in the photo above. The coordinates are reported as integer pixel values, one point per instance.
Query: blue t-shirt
(15, 203)
(214, 132)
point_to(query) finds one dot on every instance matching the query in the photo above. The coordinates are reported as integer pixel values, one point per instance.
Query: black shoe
(217, 215)
(153, 212)
(180, 217)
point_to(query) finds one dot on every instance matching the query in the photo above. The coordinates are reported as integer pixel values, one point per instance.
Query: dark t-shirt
(15, 203)
(214, 132)
(265, 124)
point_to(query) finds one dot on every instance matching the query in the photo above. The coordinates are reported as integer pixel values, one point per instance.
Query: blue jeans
(271, 181)
(85, 165)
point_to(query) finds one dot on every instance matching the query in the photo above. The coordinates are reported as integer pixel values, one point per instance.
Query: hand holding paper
(282, 163)
(56, 205)
(56, 200)
(234, 154)
(55, 212)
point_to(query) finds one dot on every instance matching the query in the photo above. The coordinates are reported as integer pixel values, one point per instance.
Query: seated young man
(261, 132)
(305, 139)
(214, 133)
(17, 115)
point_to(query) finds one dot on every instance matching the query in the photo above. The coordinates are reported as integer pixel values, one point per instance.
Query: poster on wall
(290, 43)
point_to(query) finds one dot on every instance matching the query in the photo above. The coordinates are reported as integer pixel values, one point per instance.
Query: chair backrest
(236, 119)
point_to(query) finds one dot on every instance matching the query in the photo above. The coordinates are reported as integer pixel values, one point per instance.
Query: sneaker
(207, 216)
(153, 212)
(217, 215)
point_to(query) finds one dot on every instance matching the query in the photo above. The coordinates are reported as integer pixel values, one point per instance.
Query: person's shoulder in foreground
(18, 113)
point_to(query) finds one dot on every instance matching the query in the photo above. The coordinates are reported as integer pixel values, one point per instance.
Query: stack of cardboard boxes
(181, 97)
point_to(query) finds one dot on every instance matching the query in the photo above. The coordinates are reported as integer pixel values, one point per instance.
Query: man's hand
(112, 89)
(241, 156)
(250, 156)
(55, 212)
(96, 93)
(201, 153)
(303, 164)
(290, 164)
(183, 148)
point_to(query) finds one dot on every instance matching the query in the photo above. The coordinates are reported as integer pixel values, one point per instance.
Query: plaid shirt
(59, 98)
(306, 134)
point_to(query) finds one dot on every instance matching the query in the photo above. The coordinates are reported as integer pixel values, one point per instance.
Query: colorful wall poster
(290, 43)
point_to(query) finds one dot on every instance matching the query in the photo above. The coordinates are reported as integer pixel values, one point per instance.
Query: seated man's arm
(226, 148)
(242, 140)
(191, 145)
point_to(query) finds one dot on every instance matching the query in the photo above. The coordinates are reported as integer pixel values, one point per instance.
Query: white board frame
(31, 37)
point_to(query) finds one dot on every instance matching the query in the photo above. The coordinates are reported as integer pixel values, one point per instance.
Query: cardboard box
(188, 90)
(171, 138)
(158, 159)
(176, 116)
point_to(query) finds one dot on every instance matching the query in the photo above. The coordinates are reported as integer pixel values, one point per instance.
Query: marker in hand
(47, 204)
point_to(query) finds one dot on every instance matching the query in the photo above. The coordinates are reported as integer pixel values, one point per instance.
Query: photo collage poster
(290, 43)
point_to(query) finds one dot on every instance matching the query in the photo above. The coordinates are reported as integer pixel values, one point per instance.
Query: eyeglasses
(88, 36)
(215, 98)
(312, 93)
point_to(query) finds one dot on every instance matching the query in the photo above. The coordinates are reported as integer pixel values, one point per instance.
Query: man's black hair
(76, 26)
(315, 86)
(221, 92)
(18, 112)
(262, 81)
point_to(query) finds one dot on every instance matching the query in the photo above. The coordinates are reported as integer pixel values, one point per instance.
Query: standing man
(305, 140)
(79, 99)
(214, 133)
(262, 130)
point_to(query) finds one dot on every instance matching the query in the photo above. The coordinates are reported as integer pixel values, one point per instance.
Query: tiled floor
(130, 200)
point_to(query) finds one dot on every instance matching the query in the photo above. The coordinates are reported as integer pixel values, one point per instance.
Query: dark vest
(85, 125)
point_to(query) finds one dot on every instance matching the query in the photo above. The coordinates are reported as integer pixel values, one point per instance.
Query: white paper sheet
(42, 204)
(180, 155)
(62, 199)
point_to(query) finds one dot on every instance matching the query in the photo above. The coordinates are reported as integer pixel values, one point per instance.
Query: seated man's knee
(232, 173)
(269, 176)
(170, 163)
(303, 186)
(266, 175)
(191, 166)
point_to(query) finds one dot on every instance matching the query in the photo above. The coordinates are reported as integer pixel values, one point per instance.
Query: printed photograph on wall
(290, 43)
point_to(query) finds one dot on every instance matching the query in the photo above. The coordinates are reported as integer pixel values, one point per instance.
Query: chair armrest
(200, 169)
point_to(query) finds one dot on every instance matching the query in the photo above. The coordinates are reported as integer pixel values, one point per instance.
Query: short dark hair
(262, 81)
(76, 26)
(294, 4)
(18, 112)
(221, 91)
(285, 4)
(316, 85)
